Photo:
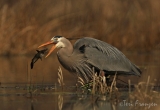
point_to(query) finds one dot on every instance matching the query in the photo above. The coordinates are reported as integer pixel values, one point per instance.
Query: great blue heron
(88, 53)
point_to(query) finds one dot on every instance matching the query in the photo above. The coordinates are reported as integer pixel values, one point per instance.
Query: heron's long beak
(51, 50)
(45, 44)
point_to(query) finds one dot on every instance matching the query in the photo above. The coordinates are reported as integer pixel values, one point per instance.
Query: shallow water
(50, 97)
(16, 76)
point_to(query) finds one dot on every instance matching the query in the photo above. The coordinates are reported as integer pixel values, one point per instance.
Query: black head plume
(73, 38)
(57, 36)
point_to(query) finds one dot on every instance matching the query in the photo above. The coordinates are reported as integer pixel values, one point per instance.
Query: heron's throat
(65, 57)
(66, 51)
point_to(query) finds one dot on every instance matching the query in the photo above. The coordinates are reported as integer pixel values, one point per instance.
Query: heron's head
(57, 41)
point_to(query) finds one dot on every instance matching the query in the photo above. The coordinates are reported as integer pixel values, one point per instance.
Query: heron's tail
(136, 70)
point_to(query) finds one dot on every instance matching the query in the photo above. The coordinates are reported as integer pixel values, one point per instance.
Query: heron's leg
(106, 78)
(102, 74)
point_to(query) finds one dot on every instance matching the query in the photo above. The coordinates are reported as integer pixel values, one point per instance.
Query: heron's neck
(67, 50)
(65, 56)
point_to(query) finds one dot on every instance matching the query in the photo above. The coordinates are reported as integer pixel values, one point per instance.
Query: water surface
(16, 76)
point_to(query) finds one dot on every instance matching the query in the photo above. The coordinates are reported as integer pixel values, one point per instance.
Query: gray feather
(105, 57)
(88, 53)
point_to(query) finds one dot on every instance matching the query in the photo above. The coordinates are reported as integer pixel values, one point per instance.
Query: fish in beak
(37, 56)
(52, 48)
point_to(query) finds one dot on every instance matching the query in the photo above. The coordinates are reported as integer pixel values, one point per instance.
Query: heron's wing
(104, 56)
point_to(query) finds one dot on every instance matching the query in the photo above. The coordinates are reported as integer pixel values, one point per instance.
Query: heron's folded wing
(104, 56)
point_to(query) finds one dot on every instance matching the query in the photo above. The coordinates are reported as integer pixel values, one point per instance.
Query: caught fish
(39, 55)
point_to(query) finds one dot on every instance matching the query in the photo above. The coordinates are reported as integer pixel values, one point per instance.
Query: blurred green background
(132, 25)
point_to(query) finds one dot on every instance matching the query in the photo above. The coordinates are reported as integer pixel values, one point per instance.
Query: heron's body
(88, 53)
